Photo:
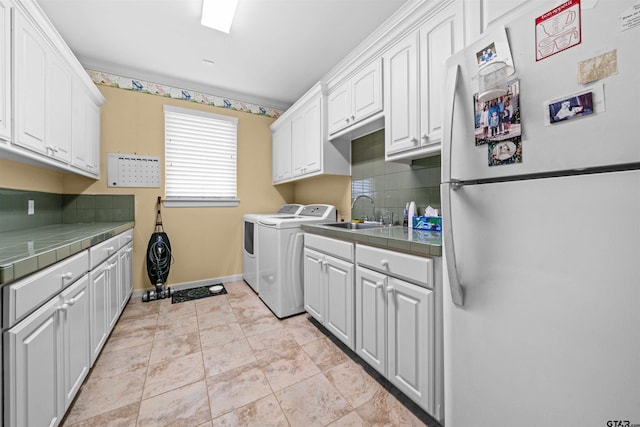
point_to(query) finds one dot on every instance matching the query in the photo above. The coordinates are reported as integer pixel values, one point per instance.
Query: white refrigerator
(541, 217)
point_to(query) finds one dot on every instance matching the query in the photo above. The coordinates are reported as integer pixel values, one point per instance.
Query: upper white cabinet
(356, 99)
(413, 84)
(5, 71)
(301, 148)
(56, 106)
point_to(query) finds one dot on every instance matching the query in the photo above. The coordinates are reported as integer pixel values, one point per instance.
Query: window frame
(193, 201)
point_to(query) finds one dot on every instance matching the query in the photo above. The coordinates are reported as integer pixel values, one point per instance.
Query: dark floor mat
(196, 293)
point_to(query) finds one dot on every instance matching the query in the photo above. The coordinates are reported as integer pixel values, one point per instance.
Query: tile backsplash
(50, 208)
(391, 184)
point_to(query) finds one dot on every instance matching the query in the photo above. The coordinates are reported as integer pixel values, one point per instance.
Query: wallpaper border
(137, 85)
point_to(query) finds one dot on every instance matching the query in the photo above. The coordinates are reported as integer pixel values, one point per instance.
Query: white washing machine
(250, 241)
(280, 244)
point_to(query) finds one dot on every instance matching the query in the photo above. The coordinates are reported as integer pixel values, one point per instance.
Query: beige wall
(206, 242)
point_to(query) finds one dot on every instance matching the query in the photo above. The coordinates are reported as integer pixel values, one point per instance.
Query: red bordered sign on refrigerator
(558, 29)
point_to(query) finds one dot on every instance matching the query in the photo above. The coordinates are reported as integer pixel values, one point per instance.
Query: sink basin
(354, 225)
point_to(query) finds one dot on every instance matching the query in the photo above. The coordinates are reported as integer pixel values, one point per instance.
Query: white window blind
(200, 158)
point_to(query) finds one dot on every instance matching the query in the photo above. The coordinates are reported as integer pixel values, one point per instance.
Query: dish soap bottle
(405, 221)
(412, 213)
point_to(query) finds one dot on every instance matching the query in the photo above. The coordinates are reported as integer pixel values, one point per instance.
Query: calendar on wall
(132, 170)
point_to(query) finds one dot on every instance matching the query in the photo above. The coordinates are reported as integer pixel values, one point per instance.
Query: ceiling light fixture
(218, 14)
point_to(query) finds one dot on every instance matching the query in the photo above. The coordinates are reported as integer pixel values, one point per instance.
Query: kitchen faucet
(373, 205)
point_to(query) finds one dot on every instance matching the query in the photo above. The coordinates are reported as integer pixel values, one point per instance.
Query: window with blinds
(200, 158)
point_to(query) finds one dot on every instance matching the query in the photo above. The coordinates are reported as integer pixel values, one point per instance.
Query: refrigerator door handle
(457, 293)
(450, 102)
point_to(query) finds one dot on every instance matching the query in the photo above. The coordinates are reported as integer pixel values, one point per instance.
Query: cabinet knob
(109, 249)
(379, 285)
(63, 307)
(353, 118)
(384, 263)
(425, 137)
(346, 120)
(390, 289)
(414, 140)
(67, 276)
(70, 302)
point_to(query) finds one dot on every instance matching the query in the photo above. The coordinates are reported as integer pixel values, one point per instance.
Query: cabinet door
(339, 108)
(32, 369)
(410, 341)
(370, 318)
(367, 91)
(30, 74)
(440, 37)
(93, 136)
(314, 287)
(99, 308)
(126, 277)
(113, 283)
(281, 152)
(313, 136)
(59, 109)
(298, 144)
(5, 71)
(75, 337)
(401, 95)
(340, 310)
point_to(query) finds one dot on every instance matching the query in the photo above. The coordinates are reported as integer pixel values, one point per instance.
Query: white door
(32, 369)
(410, 341)
(440, 37)
(339, 108)
(281, 152)
(401, 95)
(313, 136)
(550, 313)
(298, 144)
(314, 284)
(5, 70)
(59, 105)
(371, 313)
(126, 270)
(75, 341)
(367, 91)
(30, 85)
(113, 284)
(99, 294)
(340, 294)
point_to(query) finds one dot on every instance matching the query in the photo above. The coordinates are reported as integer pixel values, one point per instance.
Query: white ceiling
(276, 51)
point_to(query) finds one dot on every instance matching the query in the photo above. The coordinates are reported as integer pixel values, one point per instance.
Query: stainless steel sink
(354, 225)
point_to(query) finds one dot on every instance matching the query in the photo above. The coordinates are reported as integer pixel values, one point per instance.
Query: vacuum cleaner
(159, 260)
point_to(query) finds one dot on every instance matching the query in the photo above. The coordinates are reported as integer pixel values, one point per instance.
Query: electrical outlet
(31, 208)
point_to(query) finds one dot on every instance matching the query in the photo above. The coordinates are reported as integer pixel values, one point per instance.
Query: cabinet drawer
(28, 294)
(334, 247)
(415, 269)
(102, 251)
(124, 238)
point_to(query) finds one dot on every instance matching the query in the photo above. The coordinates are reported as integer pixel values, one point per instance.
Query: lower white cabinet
(46, 359)
(395, 320)
(328, 285)
(56, 322)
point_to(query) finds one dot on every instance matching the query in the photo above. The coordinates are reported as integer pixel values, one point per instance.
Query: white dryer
(280, 244)
(250, 241)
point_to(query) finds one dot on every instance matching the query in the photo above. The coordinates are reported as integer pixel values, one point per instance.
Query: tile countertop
(23, 252)
(397, 238)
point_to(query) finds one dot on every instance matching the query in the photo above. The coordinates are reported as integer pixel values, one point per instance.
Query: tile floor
(228, 361)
